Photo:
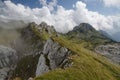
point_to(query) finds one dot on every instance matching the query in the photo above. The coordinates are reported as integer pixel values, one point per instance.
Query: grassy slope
(87, 65)
(26, 67)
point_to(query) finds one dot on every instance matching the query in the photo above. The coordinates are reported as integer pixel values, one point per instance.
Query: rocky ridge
(44, 54)
(51, 54)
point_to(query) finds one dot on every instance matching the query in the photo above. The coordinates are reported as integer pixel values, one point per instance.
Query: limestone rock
(112, 52)
(42, 67)
(53, 56)
(8, 58)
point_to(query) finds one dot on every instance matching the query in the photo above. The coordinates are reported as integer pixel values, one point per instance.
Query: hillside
(85, 32)
(87, 65)
(54, 62)
(43, 52)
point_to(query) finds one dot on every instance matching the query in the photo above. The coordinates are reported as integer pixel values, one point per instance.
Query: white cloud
(63, 20)
(50, 5)
(43, 2)
(112, 3)
(82, 14)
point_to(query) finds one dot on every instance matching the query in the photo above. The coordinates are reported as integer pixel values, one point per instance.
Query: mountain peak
(86, 32)
(84, 27)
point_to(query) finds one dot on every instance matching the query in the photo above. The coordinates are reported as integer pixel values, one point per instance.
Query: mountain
(86, 32)
(98, 41)
(44, 54)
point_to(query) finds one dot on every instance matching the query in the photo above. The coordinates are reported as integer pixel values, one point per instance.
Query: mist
(9, 31)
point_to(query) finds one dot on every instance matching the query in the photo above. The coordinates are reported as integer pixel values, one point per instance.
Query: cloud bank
(63, 19)
(112, 3)
(50, 5)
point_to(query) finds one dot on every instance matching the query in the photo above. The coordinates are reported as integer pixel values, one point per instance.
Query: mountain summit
(84, 27)
(86, 32)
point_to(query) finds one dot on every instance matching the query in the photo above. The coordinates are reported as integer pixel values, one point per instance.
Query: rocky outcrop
(34, 37)
(42, 67)
(44, 54)
(8, 59)
(52, 57)
(43, 26)
(112, 52)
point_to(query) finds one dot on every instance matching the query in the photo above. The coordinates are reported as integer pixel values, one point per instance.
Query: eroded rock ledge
(53, 56)
(112, 52)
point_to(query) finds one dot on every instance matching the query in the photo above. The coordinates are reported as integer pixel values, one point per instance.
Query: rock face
(112, 52)
(43, 54)
(33, 37)
(42, 67)
(8, 58)
(52, 57)
(47, 28)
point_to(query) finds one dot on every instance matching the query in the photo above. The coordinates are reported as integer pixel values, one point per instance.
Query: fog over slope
(62, 19)
(9, 31)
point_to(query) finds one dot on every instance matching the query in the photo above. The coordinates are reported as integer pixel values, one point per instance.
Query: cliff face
(52, 57)
(8, 59)
(44, 53)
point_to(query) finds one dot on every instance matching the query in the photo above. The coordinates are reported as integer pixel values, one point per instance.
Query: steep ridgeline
(32, 38)
(8, 59)
(36, 35)
(44, 53)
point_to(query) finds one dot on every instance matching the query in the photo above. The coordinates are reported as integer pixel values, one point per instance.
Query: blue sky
(93, 5)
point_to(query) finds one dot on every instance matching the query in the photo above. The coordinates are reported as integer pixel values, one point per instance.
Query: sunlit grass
(87, 65)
